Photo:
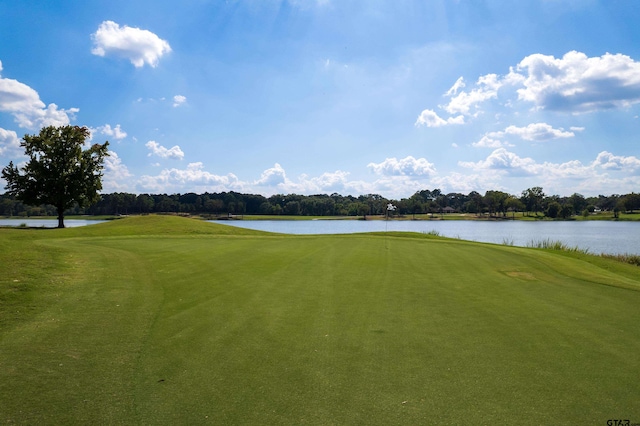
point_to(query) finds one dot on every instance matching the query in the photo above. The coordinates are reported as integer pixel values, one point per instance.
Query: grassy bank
(169, 320)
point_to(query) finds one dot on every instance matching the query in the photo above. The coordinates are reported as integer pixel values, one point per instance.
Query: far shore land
(631, 216)
(438, 216)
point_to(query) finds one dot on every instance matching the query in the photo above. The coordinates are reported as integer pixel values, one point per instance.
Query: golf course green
(168, 320)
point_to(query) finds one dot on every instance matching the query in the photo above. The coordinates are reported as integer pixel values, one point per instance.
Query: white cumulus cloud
(501, 159)
(462, 103)
(272, 177)
(138, 46)
(9, 143)
(275, 180)
(28, 110)
(156, 149)
(117, 177)
(491, 140)
(465, 183)
(179, 100)
(574, 83)
(538, 132)
(607, 160)
(534, 132)
(408, 166)
(430, 118)
(327, 182)
(115, 132)
(193, 178)
(605, 172)
(578, 83)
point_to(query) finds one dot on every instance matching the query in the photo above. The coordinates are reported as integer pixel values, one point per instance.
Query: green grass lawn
(167, 320)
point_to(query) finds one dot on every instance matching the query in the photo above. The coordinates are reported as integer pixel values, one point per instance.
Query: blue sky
(324, 96)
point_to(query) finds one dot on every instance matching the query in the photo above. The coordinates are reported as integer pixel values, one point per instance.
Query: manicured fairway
(163, 320)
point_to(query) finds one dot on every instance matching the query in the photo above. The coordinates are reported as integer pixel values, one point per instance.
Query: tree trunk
(60, 217)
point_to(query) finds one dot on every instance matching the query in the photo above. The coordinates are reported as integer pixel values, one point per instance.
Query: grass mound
(169, 320)
(156, 225)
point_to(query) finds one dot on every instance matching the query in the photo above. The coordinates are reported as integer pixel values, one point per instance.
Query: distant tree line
(532, 201)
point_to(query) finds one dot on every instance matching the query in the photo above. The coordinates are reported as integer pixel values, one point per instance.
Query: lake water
(47, 223)
(595, 236)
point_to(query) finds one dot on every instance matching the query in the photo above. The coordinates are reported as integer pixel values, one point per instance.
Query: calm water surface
(595, 236)
(48, 223)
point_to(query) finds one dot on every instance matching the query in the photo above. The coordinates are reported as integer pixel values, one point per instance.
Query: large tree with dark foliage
(59, 171)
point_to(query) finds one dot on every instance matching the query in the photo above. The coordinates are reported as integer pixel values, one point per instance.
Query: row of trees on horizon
(532, 200)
